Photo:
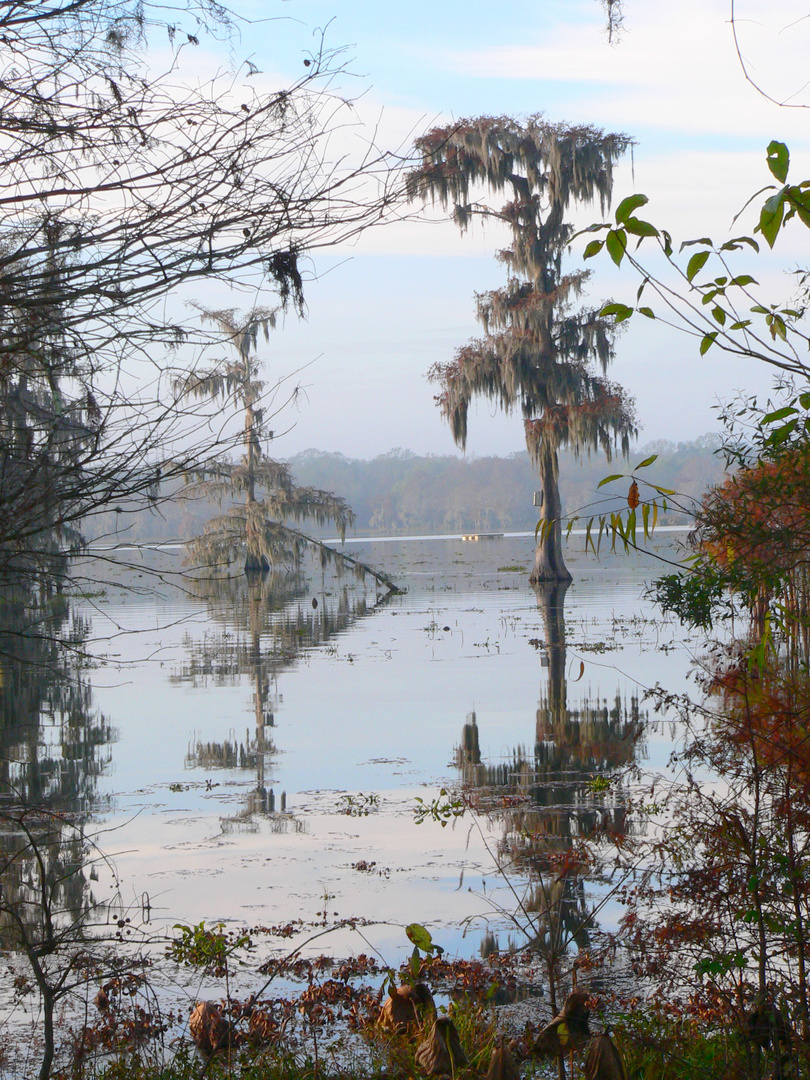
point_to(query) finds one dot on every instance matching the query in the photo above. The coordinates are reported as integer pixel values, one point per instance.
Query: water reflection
(268, 622)
(54, 747)
(560, 802)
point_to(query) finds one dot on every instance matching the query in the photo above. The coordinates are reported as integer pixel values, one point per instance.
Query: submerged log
(568, 1030)
(441, 1053)
(407, 1008)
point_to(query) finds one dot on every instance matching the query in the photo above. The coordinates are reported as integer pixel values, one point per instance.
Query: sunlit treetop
(544, 166)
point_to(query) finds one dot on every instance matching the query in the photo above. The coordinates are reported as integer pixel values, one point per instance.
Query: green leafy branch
(206, 948)
(721, 310)
(618, 526)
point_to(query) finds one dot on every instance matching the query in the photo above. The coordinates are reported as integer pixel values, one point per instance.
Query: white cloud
(676, 69)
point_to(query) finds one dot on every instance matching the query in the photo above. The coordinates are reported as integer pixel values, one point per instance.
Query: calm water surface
(267, 753)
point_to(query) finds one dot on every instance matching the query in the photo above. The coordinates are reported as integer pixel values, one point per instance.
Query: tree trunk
(548, 559)
(256, 564)
(551, 601)
(48, 1036)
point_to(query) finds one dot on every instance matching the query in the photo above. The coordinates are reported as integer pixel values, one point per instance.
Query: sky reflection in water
(377, 706)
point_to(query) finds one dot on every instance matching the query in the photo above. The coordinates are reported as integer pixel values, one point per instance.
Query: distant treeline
(402, 492)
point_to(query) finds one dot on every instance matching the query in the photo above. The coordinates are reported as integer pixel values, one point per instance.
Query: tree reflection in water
(561, 804)
(269, 621)
(54, 746)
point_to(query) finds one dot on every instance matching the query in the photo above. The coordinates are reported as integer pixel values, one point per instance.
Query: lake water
(265, 747)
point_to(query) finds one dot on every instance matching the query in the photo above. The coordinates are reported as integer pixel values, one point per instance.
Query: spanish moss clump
(541, 353)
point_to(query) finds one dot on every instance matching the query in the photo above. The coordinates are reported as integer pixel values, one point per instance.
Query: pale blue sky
(402, 299)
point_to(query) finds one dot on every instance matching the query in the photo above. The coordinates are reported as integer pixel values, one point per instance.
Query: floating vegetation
(360, 805)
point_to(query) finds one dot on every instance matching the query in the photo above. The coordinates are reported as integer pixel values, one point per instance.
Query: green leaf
(637, 227)
(416, 963)
(782, 434)
(664, 491)
(616, 244)
(593, 248)
(619, 311)
(419, 937)
(642, 287)
(647, 311)
(645, 517)
(719, 315)
(778, 414)
(778, 159)
(647, 461)
(770, 218)
(742, 280)
(740, 325)
(628, 205)
(667, 243)
(704, 240)
(737, 243)
(777, 326)
(609, 479)
(588, 537)
(696, 264)
(707, 342)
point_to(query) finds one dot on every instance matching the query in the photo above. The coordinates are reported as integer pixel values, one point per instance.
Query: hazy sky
(381, 314)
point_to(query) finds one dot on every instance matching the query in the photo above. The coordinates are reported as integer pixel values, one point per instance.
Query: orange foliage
(760, 518)
(768, 714)
(755, 528)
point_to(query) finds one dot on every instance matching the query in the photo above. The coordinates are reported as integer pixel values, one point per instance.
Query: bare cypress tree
(540, 353)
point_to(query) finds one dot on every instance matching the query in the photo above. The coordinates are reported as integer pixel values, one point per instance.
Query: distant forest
(403, 493)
